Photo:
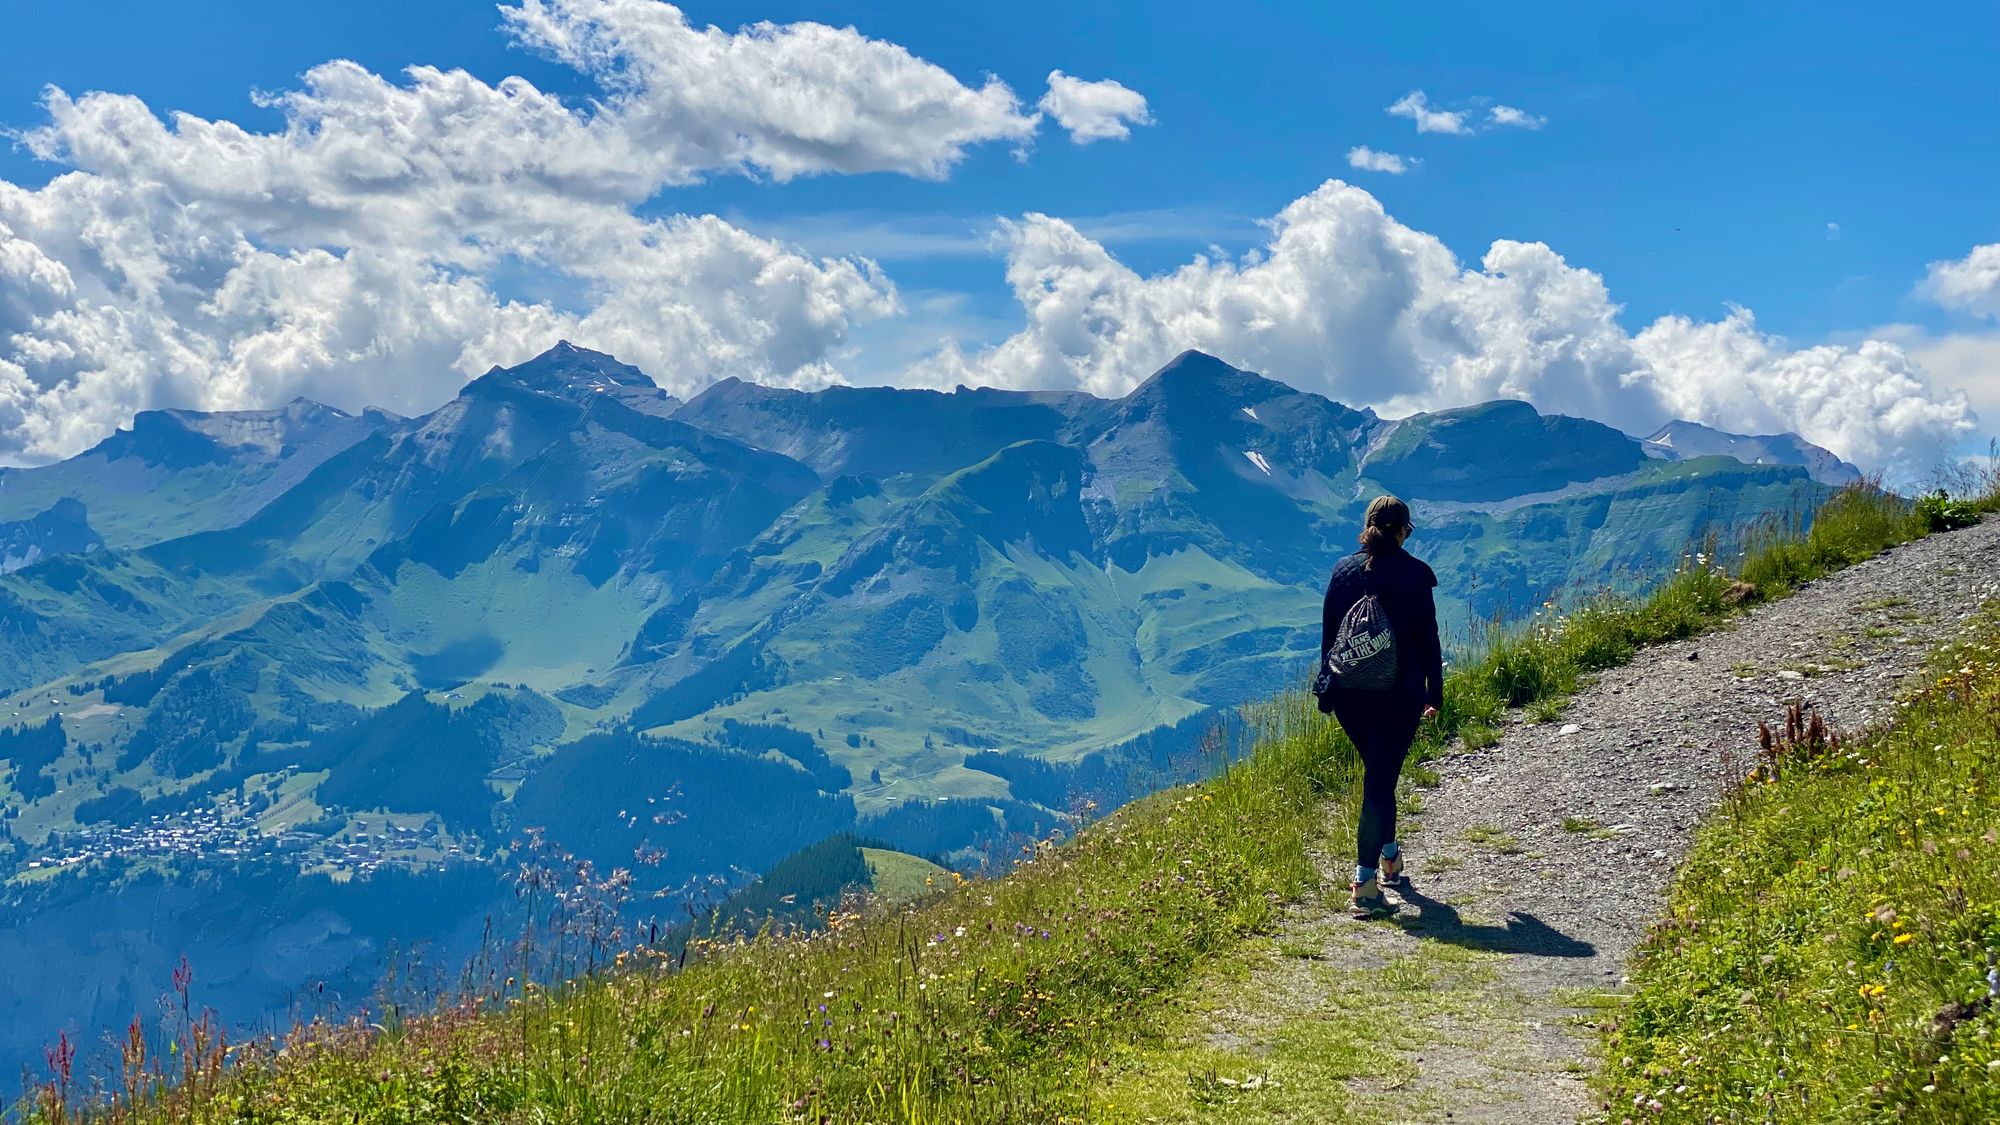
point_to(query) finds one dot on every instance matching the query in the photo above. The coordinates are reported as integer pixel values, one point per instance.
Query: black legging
(1381, 731)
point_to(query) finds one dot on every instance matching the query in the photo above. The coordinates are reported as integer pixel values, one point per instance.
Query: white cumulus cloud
(1369, 160)
(1507, 117)
(1416, 105)
(1429, 118)
(1344, 300)
(787, 99)
(1094, 111)
(393, 236)
(1969, 284)
(1969, 360)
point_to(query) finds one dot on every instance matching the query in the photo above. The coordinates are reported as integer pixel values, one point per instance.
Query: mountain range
(305, 667)
(1679, 440)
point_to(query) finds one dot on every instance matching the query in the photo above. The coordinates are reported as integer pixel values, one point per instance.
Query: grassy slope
(900, 877)
(986, 1004)
(997, 1001)
(1839, 920)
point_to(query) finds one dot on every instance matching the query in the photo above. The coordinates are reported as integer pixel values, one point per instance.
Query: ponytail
(1382, 527)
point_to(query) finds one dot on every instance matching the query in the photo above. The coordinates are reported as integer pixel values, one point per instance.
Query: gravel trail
(1642, 755)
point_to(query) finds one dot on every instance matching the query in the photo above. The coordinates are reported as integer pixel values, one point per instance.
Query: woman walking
(1380, 679)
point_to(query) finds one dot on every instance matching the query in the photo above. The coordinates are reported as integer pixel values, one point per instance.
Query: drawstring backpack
(1363, 656)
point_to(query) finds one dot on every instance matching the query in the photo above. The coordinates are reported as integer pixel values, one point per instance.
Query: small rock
(1788, 674)
(1569, 728)
(1660, 787)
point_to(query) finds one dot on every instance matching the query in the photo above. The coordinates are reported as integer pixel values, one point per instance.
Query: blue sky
(1693, 156)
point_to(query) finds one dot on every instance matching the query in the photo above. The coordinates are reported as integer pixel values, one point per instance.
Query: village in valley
(227, 832)
(266, 817)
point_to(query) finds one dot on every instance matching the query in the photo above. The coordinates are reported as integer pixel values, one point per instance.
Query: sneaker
(1390, 871)
(1368, 901)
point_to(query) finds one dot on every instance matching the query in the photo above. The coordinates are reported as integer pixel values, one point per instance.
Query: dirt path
(1538, 863)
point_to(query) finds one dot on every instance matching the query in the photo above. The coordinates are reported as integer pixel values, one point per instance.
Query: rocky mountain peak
(569, 372)
(1197, 379)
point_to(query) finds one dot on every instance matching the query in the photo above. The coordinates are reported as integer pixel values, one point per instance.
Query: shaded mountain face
(881, 431)
(691, 639)
(1494, 451)
(63, 529)
(1205, 456)
(1679, 439)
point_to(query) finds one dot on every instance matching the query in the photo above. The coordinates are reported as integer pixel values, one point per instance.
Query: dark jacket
(1403, 584)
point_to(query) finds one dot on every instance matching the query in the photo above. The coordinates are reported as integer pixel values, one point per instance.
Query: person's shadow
(1521, 933)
